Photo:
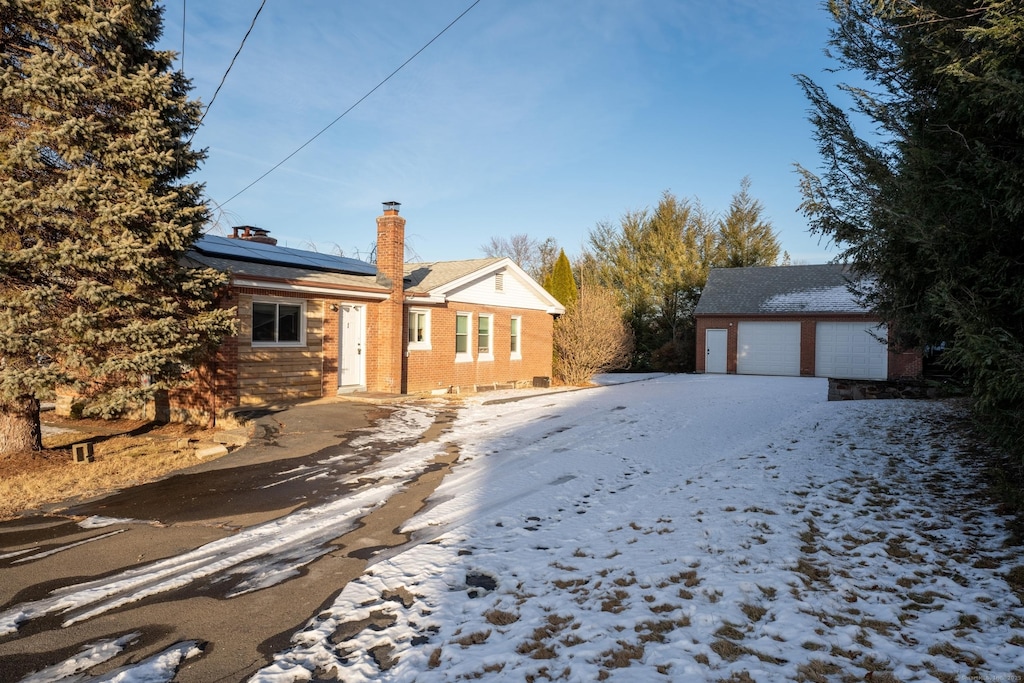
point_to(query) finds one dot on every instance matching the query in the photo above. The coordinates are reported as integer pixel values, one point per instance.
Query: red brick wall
(900, 365)
(808, 339)
(717, 323)
(436, 369)
(905, 364)
(217, 388)
(213, 387)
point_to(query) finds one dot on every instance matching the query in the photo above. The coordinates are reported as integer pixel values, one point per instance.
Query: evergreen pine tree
(657, 263)
(561, 284)
(95, 214)
(931, 203)
(745, 238)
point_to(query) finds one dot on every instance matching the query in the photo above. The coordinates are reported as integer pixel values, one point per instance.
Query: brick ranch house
(313, 325)
(794, 320)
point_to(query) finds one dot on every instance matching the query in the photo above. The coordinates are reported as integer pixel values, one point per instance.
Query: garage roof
(779, 289)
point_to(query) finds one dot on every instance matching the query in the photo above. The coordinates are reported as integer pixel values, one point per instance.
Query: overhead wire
(223, 78)
(356, 104)
(181, 62)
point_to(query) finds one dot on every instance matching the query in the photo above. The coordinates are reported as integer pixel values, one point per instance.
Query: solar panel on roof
(257, 252)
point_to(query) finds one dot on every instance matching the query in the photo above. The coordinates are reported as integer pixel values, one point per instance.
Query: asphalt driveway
(197, 508)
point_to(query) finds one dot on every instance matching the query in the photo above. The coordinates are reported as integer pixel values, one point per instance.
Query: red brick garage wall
(900, 365)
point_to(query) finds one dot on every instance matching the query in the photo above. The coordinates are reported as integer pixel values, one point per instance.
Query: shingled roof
(779, 289)
(428, 276)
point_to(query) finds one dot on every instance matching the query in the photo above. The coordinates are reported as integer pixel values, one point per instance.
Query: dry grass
(497, 617)
(126, 453)
(475, 638)
(623, 656)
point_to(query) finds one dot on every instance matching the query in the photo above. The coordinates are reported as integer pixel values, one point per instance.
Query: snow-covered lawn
(676, 528)
(687, 528)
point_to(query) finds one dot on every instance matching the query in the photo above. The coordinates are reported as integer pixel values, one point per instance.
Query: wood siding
(267, 374)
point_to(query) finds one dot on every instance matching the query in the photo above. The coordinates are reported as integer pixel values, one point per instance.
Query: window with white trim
(278, 323)
(515, 337)
(462, 350)
(485, 337)
(419, 330)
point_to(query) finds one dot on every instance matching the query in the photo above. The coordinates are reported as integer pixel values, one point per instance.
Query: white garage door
(851, 351)
(768, 349)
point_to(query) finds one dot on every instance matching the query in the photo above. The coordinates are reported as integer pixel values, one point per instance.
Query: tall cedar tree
(745, 237)
(933, 202)
(560, 283)
(95, 215)
(657, 262)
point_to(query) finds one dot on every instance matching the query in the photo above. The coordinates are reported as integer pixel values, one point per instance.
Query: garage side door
(768, 349)
(851, 351)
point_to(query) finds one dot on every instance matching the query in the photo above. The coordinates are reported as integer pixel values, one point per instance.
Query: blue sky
(542, 117)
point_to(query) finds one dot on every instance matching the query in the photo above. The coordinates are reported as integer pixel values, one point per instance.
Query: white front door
(716, 343)
(350, 347)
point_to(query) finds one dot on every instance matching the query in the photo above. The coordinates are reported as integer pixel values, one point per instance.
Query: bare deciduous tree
(591, 337)
(535, 257)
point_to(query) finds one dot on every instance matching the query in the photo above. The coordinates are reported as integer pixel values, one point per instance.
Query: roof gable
(780, 289)
(474, 281)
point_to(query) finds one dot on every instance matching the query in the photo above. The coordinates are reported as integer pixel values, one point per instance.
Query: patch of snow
(836, 299)
(53, 430)
(67, 546)
(89, 656)
(160, 668)
(98, 522)
(16, 553)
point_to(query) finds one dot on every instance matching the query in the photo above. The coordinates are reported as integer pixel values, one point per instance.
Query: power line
(357, 103)
(181, 63)
(228, 70)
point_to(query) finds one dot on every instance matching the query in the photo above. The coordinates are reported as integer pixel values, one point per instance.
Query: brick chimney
(390, 247)
(390, 271)
(252, 234)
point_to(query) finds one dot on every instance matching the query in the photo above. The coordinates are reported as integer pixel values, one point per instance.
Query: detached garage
(793, 321)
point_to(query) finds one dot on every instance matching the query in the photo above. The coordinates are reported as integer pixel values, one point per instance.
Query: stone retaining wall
(857, 389)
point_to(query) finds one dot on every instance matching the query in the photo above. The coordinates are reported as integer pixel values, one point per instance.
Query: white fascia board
(425, 300)
(308, 289)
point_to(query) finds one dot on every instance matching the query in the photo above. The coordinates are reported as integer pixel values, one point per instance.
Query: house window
(515, 325)
(278, 323)
(484, 330)
(419, 330)
(462, 352)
